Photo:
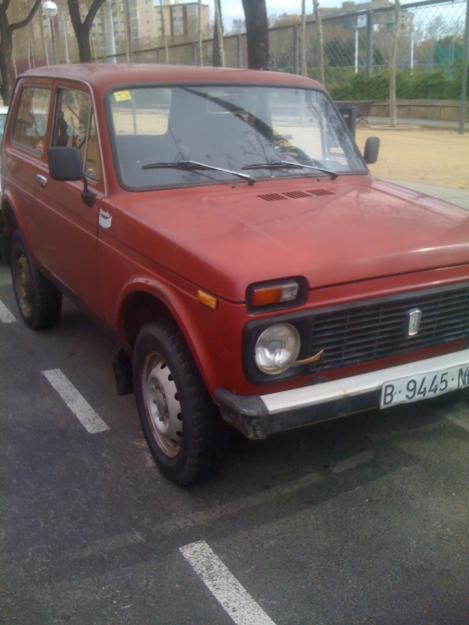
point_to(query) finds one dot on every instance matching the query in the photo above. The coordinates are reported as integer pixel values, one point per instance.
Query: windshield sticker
(122, 96)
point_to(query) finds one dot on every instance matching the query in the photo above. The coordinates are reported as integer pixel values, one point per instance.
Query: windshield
(258, 130)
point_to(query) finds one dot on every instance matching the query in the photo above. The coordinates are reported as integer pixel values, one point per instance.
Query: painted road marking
(89, 419)
(5, 315)
(226, 589)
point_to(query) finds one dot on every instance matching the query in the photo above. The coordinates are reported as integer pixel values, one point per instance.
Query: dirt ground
(431, 156)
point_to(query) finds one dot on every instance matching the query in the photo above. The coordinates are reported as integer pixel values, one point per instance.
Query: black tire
(38, 300)
(199, 450)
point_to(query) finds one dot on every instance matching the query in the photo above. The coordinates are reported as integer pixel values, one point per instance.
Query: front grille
(359, 333)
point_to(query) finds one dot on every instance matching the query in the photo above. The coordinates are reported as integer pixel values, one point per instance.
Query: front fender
(189, 315)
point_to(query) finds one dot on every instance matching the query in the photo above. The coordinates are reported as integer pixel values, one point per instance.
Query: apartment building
(181, 19)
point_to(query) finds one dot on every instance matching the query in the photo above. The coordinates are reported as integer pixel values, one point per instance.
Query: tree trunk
(200, 33)
(82, 29)
(128, 32)
(257, 30)
(320, 42)
(7, 70)
(84, 47)
(218, 43)
(304, 68)
(164, 34)
(392, 66)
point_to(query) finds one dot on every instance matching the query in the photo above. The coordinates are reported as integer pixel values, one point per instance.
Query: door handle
(41, 180)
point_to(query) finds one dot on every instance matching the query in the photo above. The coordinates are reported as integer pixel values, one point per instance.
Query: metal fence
(431, 38)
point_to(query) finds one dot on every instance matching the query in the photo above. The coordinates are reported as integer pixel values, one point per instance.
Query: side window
(31, 118)
(93, 159)
(72, 118)
(75, 127)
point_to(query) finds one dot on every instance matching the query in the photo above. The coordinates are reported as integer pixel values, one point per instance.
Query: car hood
(224, 238)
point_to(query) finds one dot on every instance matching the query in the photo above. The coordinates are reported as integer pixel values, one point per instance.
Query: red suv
(224, 225)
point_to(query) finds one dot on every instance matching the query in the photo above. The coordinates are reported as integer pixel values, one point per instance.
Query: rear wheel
(184, 431)
(39, 301)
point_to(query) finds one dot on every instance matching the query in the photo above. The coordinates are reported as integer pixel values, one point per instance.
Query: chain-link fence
(431, 39)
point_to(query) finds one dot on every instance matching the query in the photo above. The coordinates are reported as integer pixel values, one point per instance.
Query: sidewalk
(455, 196)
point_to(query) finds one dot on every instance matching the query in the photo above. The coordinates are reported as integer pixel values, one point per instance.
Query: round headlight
(277, 348)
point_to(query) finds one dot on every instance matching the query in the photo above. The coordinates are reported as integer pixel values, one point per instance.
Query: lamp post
(50, 10)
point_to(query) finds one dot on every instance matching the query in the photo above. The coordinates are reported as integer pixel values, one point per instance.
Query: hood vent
(321, 192)
(272, 197)
(296, 194)
(275, 197)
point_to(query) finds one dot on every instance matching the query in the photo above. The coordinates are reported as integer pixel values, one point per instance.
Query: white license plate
(424, 386)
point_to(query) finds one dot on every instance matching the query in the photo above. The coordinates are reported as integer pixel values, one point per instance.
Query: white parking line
(226, 589)
(5, 315)
(89, 419)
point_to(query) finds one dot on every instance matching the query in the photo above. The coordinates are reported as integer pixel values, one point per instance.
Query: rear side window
(31, 119)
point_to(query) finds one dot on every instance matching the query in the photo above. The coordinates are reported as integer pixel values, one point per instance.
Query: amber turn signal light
(271, 295)
(207, 300)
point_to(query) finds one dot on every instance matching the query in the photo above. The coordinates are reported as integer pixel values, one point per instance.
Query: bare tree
(7, 70)
(218, 43)
(163, 33)
(128, 31)
(257, 30)
(200, 33)
(320, 41)
(304, 68)
(81, 28)
(393, 63)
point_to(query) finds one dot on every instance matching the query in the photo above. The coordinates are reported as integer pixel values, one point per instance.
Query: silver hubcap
(162, 404)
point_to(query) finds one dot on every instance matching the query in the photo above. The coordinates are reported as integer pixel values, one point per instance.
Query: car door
(68, 225)
(25, 152)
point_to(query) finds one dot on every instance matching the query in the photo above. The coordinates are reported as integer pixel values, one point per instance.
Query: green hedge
(433, 85)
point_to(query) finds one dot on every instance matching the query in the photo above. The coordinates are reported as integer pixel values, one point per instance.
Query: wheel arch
(142, 302)
(8, 224)
(8, 217)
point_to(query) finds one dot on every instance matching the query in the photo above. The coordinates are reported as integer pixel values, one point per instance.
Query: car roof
(104, 76)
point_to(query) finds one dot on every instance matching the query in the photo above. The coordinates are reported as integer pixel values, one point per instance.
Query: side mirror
(371, 150)
(65, 164)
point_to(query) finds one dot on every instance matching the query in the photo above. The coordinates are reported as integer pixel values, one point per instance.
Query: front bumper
(258, 416)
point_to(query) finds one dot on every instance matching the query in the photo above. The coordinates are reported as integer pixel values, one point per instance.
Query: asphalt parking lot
(362, 521)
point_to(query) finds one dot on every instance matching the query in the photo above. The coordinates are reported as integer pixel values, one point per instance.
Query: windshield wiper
(290, 165)
(196, 166)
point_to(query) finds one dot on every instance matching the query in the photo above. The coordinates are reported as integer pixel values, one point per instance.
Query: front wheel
(182, 426)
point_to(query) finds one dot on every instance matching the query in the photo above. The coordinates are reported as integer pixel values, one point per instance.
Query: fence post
(195, 54)
(239, 61)
(369, 42)
(462, 106)
(296, 51)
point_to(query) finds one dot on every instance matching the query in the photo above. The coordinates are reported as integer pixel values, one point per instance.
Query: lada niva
(225, 226)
